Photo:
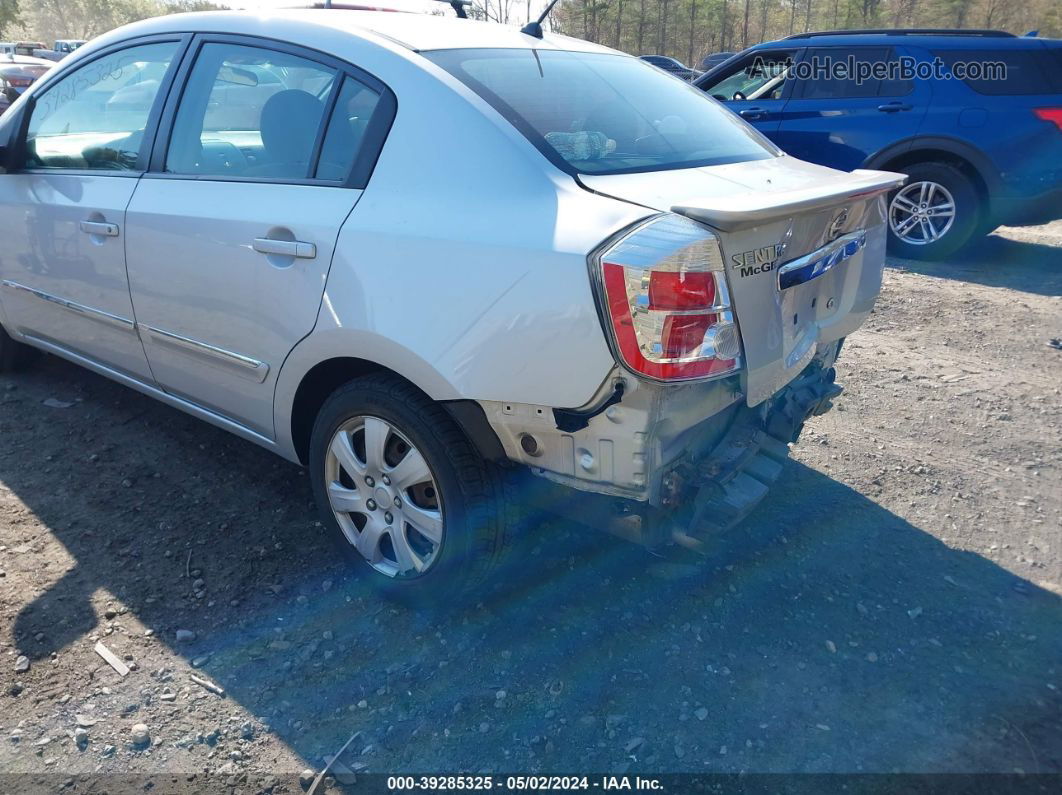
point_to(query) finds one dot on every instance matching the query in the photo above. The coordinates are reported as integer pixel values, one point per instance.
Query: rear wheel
(404, 493)
(14, 356)
(934, 214)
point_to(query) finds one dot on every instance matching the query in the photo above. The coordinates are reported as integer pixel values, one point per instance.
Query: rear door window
(847, 73)
(348, 129)
(250, 112)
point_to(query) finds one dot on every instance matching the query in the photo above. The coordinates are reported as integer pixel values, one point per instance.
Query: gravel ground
(893, 606)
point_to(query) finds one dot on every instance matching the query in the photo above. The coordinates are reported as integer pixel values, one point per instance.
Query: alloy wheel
(921, 213)
(384, 497)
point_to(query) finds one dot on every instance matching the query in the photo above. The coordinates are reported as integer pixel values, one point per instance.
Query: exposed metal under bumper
(728, 483)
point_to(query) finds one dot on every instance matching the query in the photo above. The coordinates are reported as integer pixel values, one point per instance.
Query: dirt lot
(894, 606)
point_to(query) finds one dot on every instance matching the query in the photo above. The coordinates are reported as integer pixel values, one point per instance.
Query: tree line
(683, 29)
(48, 20)
(690, 29)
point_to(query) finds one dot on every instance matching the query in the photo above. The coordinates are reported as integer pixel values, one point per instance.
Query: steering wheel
(106, 163)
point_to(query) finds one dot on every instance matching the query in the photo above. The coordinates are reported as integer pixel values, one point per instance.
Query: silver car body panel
(462, 266)
(63, 266)
(218, 291)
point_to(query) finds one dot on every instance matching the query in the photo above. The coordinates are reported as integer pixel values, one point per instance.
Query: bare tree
(694, 27)
(662, 49)
(693, 32)
(725, 28)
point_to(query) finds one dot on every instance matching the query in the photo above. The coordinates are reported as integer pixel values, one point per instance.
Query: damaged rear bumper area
(711, 494)
(656, 464)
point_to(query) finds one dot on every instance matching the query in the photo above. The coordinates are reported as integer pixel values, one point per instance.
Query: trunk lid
(804, 248)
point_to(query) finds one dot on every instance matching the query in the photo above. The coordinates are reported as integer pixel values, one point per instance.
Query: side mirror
(10, 93)
(13, 149)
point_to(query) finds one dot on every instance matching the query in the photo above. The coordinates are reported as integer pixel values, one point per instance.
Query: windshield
(596, 113)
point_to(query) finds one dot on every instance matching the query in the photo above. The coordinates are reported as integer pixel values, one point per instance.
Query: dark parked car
(713, 60)
(672, 65)
(980, 151)
(17, 73)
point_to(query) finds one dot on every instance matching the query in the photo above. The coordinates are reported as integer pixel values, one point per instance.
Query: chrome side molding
(115, 321)
(244, 365)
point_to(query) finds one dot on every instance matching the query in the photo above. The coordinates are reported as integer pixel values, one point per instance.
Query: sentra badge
(759, 260)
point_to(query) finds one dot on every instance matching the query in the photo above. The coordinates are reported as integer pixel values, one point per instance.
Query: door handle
(752, 113)
(893, 107)
(285, 248)
(99, 228)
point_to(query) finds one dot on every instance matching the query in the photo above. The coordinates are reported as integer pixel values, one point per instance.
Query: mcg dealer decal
(758, 260)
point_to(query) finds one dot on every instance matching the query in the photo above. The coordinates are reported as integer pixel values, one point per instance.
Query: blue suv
(973, 117)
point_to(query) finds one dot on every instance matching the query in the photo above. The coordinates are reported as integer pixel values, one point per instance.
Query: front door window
(95, 118)
(760, 76)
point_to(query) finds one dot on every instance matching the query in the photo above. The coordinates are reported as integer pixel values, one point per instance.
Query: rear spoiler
(753, 208)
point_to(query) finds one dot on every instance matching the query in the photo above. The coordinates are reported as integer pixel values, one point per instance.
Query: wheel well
(326, 377)
(900, 162)
(320, 382)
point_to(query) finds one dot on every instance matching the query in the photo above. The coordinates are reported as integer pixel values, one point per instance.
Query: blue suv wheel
(934, 214)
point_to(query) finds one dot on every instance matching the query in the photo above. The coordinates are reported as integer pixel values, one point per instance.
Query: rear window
(596, 113)
(1021, 72)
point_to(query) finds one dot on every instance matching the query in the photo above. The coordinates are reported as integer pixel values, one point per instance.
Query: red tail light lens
(681, 290)
(683, 334)
(1053, 115)
(668, 302)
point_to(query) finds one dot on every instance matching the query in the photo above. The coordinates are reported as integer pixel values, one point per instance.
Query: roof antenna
(535, 28)
(458, 6)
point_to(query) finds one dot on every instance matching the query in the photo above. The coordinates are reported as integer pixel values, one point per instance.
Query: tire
(14, 356)
(468, 493)
(947, 186)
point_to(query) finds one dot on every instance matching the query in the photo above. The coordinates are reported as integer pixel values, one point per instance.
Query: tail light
(667, 301)
(20, 82)
(1053, 115)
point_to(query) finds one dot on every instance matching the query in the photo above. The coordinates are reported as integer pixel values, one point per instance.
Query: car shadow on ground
(824, 634)
(997, 261)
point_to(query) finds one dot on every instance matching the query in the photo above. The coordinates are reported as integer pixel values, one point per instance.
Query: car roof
(974, 40)
(416, 32)
(7, 59)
